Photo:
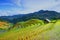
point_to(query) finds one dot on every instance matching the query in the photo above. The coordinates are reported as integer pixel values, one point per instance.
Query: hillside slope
(50, 31)
(5, 25)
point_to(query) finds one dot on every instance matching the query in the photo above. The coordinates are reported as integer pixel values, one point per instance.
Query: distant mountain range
(42, 15)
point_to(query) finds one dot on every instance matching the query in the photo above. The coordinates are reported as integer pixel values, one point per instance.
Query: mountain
(42, 15)
(12, 19)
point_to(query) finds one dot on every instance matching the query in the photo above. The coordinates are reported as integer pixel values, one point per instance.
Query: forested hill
(42, 14)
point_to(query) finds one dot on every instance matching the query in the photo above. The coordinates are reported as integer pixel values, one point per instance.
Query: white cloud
(28, 6)
(3, 13)
(17, 2)
(34, 5)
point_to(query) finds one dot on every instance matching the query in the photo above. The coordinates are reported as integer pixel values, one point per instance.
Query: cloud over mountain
(27, 6)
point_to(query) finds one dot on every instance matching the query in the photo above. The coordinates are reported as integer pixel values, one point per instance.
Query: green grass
(28, 23)
(34, 31)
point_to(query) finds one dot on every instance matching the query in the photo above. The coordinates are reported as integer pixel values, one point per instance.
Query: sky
(14, 7)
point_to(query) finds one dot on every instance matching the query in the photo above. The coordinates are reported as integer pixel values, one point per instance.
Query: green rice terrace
(33, 29)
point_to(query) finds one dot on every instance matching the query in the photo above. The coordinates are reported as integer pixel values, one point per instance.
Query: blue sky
(13, 7)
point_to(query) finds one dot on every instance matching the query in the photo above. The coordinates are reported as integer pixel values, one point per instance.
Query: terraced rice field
(50, 31)
(5, 25)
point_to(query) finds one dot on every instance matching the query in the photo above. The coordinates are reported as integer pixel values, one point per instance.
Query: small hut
(47, 20)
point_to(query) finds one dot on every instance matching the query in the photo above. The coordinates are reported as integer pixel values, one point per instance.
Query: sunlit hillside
(28, 23)
(49, 31)
(5, 25)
